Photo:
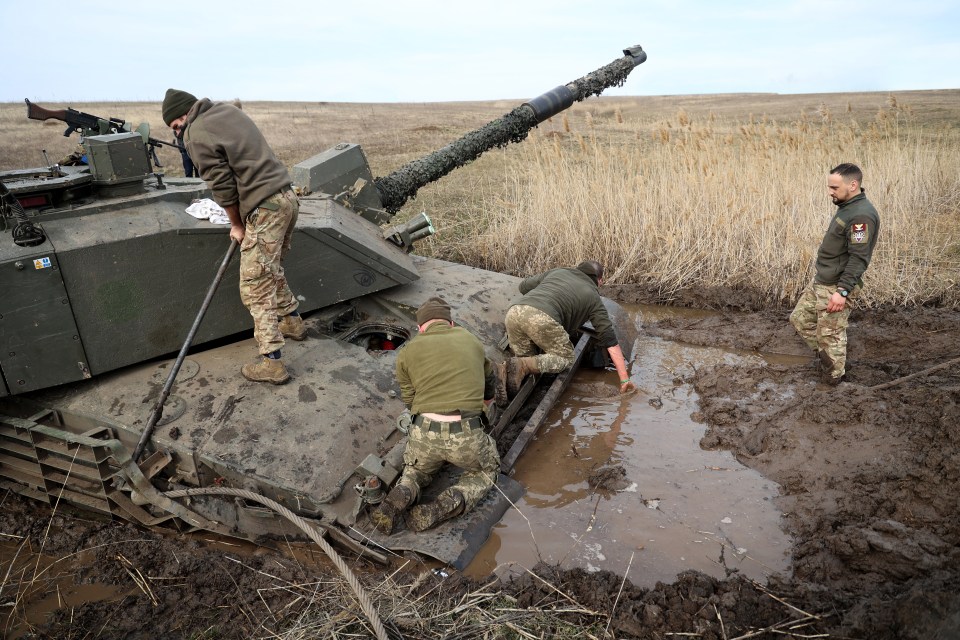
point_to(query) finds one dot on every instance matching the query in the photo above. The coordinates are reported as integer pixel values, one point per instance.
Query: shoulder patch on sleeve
(859, 233)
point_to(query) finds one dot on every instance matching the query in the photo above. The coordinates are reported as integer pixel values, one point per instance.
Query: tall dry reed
(674, 192)
(713, 202)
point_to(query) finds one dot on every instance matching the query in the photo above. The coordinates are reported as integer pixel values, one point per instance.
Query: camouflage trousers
(822, 331)
(473, 450)
(529, 328)
(263, 286)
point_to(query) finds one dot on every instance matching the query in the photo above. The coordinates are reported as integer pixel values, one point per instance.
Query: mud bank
(870, 485)
(870, 478)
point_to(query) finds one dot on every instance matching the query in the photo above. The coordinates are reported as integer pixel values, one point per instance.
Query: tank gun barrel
(396, 188)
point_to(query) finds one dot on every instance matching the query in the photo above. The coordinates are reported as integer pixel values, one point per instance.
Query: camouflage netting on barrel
(396, 188)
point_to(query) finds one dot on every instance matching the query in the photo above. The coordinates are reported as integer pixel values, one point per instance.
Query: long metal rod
(158, 407)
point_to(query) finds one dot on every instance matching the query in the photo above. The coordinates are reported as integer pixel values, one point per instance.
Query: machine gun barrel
(396, 188)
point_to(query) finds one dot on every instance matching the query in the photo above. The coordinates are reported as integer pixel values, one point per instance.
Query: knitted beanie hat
(432, 309)
(175, 104)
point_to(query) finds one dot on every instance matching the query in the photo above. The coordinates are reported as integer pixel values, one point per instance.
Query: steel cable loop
(365, 603)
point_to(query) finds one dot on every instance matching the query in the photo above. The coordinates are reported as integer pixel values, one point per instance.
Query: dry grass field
(676, 193)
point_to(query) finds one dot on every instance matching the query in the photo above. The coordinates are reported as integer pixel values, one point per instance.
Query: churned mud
(869, 477)
(869, 482)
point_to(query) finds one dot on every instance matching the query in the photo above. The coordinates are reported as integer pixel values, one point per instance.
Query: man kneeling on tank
(445, 381)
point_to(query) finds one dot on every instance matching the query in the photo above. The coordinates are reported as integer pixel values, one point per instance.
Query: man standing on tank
(253, 187)
(821, 314)
(445, 381)
(554, 306)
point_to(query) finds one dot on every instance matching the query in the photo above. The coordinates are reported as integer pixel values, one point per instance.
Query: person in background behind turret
(253, 187)
(821, 314)
(189, 169)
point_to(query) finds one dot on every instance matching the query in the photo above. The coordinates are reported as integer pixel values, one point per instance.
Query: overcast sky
(410, 51)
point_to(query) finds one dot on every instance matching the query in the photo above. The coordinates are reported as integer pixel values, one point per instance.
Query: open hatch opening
(378, 336)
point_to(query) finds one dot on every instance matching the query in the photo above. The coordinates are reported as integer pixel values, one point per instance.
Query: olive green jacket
(232, 155)
(444, 370)
(570, 297)
(848, 244)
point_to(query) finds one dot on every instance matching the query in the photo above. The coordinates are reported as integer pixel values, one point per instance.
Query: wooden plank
(540, 414)
(514, 407)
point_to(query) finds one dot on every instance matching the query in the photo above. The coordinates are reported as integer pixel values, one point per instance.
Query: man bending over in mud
(253, 187)
(554, 307)
(821, 314)
(445, 381)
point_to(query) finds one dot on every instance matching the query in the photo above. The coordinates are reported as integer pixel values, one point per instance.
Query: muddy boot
(827, 373)
(448, 504)
(292, 327)
(832, 380)
(385, 516)
(826, 362)
(517, 370)
(266, 370)
(501, 398)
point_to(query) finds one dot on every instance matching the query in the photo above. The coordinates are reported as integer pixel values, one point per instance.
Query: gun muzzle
(561, 98)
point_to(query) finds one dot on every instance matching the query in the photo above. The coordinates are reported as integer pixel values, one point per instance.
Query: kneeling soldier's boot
(385, 516)
(517, 370)
(501, 397)
(292, 327)
(448, 504)
(266, 370)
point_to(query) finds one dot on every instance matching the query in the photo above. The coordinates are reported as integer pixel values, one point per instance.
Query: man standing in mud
(253, 187)
(821, 314)
(554, 307)
(445, 381)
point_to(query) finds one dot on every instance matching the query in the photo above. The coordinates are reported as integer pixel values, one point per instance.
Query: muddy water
(34, 585)
(677, 507)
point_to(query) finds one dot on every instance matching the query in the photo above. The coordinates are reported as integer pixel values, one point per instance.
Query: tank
(103, 275)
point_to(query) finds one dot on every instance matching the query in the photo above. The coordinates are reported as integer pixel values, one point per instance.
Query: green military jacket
(570, 297)
(848, 244)
(444, 370)
(232, 155)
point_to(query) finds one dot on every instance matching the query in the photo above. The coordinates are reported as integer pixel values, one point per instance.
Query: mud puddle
(35, 585)
(621, 484)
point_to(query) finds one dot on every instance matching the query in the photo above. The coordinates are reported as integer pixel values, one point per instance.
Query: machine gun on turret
(87, 125)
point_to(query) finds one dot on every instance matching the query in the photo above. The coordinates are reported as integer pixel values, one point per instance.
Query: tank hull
(308, 444)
